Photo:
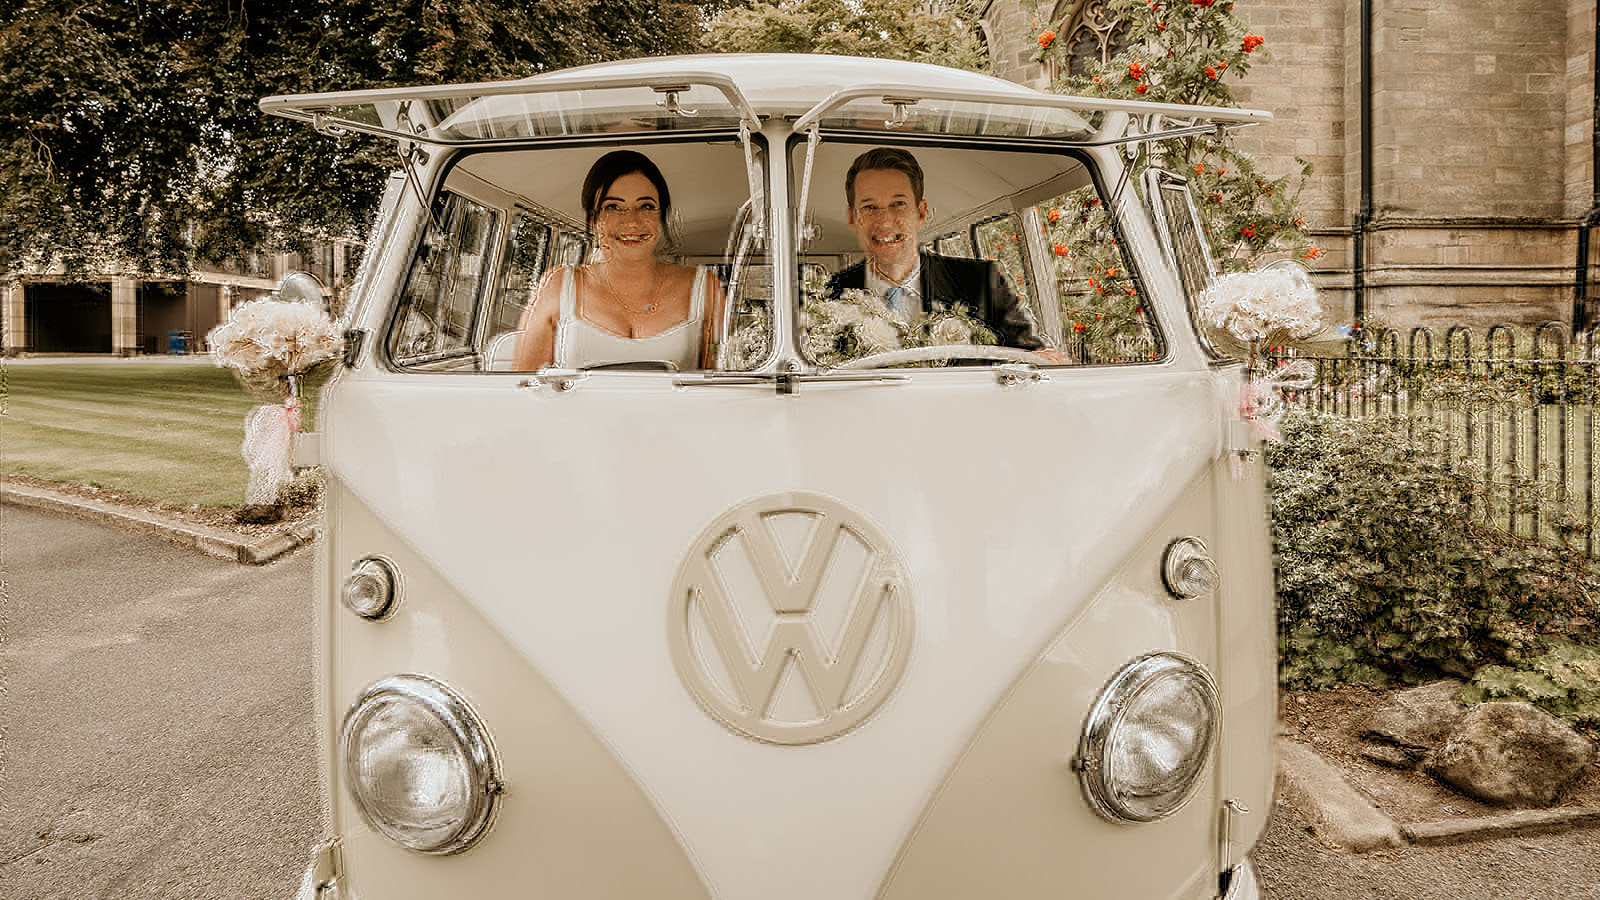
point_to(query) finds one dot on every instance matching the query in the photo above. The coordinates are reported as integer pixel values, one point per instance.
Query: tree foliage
(940, 32)
(1185, 51)
(129, 132)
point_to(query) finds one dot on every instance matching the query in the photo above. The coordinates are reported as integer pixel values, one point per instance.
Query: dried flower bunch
(1272, 305)
(266, 340)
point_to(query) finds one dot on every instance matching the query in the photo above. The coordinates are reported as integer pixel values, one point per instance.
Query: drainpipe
(1363, 218)
(1582, 316)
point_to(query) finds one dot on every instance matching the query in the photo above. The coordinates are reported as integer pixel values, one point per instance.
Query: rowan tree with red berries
(1172, 51)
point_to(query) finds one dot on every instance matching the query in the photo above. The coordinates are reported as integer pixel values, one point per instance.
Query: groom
(884, 190)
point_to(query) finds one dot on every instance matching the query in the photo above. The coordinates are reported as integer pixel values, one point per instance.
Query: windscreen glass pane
(962, 118)
(1013, 245)
(640, 285)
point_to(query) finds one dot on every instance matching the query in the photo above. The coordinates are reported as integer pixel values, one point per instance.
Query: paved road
(157, 738)
(1294, 866)
(156, 718)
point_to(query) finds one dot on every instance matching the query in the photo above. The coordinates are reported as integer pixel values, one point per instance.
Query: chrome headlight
(372, 588)
(1147, 738)
(420, 765)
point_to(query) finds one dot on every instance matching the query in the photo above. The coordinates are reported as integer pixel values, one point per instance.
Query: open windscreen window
(950, 256)
(512, 273)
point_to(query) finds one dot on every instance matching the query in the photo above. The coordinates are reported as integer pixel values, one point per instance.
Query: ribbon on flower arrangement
(269, 431)
(1261, 397)
(272, 345)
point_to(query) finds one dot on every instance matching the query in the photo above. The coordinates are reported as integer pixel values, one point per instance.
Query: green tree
(129, 132)
(942, 32)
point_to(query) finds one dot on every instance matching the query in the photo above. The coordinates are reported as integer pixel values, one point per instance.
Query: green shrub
(1383, 573)
(1563, 679)
(305, 490)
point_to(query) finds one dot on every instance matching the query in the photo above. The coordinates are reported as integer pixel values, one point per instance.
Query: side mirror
(302, 287)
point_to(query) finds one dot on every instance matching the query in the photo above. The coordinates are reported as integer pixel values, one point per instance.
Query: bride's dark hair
(605, 172)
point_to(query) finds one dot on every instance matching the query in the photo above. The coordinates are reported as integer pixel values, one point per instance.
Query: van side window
(1000, 239)
(527, 246)
(954, 244)
(438, 307)
(1104, 317)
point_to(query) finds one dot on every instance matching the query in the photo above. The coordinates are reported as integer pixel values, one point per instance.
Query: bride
(628, 306)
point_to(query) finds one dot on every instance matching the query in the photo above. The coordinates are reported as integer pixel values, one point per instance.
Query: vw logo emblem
(790, 619)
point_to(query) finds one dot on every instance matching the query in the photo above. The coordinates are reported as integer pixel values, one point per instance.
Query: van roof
(719, 92)
(792, 83)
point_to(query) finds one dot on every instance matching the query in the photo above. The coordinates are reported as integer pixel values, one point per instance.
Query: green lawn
(160, 430)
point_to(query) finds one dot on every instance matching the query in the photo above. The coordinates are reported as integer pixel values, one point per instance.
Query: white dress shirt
(908, 303)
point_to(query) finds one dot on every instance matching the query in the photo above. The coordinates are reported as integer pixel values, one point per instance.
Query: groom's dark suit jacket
(974, 282)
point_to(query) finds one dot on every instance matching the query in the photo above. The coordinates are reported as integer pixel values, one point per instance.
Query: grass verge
(169, 432)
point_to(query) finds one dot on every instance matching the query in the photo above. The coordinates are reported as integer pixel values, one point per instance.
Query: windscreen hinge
(353, 339)
(1018, 373)
(327, 866)
(672, 104)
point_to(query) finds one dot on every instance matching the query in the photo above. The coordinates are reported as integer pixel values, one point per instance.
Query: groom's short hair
(884, 158)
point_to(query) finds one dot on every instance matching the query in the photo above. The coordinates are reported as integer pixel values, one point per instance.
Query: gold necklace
(892, 283)
(655, 284)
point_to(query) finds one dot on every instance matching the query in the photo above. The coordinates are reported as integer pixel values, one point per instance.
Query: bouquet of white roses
(946, 325)
(750, 341)
(1272, 305)
(857, 324)
(266, 341)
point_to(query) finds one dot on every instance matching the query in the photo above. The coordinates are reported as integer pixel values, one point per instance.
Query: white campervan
(953, 620)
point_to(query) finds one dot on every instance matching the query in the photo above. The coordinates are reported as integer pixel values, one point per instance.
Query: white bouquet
(1272, 305)
(266, 341)
(853, 325)
(857, 323)
(751, 340)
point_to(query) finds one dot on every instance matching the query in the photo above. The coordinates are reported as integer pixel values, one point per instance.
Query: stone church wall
(1481, 150)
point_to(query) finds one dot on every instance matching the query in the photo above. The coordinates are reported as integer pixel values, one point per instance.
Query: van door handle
(560, 379)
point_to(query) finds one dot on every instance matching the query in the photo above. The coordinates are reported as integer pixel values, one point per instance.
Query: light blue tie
(892, 298)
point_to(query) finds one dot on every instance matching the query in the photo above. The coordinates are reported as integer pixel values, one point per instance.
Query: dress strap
(697, 293)
(569, 292)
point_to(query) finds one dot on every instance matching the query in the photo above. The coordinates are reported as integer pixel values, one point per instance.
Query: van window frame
(436, 185)
(1159, 326)
(496, 244)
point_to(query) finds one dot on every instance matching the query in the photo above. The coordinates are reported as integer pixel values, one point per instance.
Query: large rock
(1512, 753)
(1420, 718)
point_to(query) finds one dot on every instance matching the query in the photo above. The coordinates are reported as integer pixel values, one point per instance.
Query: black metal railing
(1515, 406)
